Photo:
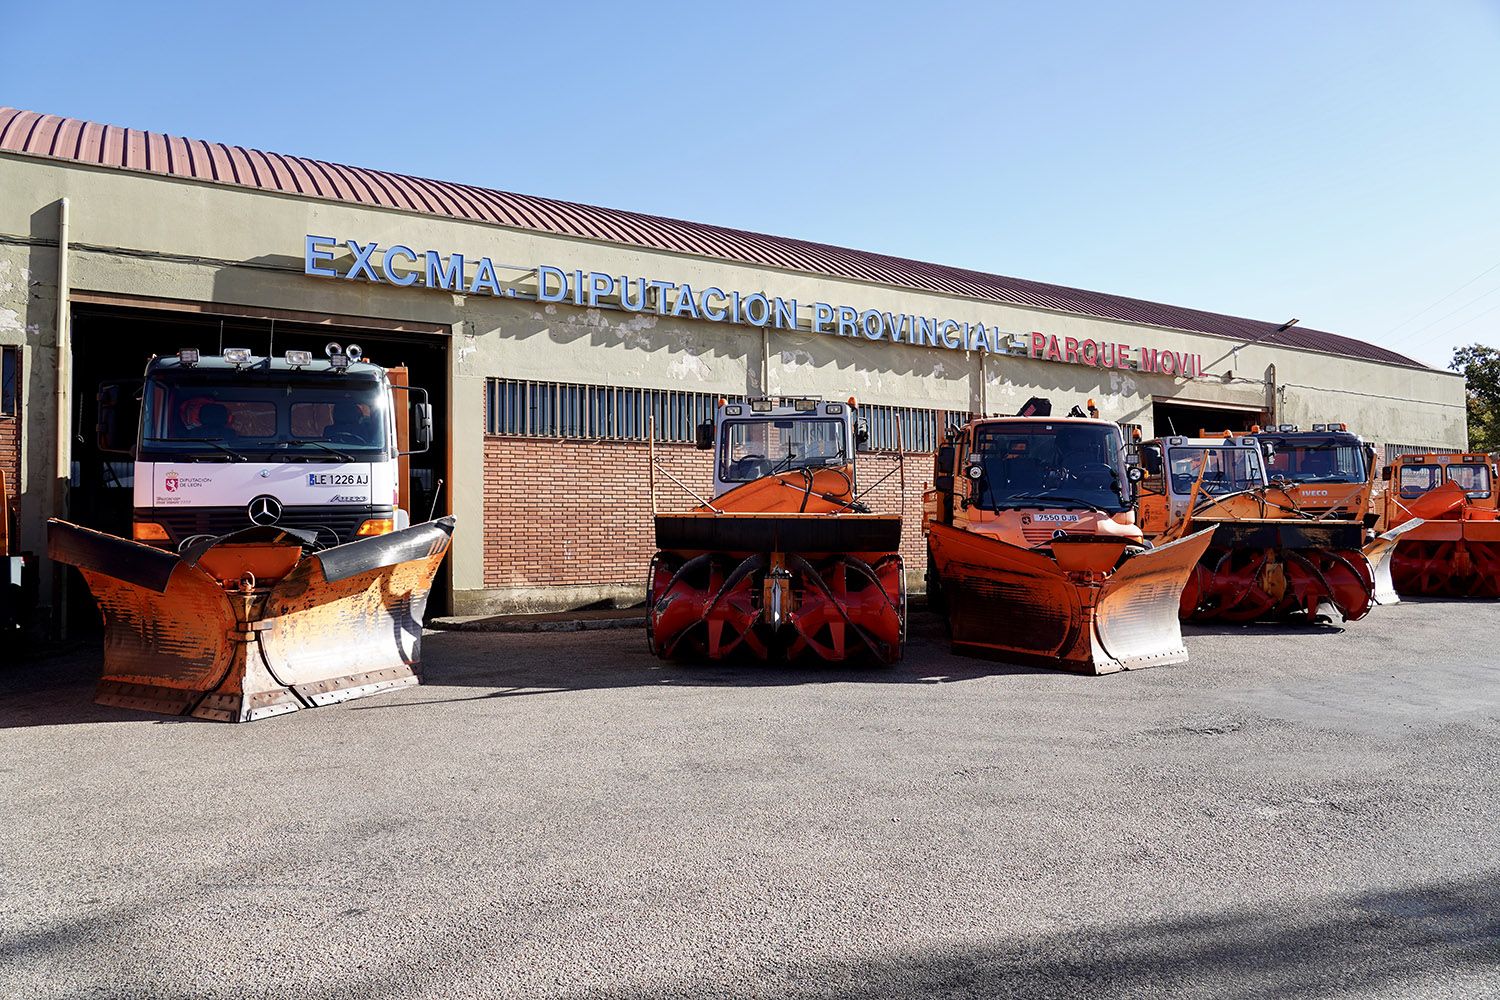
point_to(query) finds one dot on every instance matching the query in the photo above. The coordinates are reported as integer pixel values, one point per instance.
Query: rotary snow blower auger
(1033, 550)
(1271, 557)
(255, 623)
(1454, 548)
(784, 561)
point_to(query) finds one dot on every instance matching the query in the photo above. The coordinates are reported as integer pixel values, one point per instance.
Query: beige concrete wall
(251, 245)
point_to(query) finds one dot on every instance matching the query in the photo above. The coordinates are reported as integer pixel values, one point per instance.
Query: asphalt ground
(1295, 813)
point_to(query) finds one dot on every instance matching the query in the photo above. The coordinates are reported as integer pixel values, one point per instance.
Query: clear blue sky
(1333, 161)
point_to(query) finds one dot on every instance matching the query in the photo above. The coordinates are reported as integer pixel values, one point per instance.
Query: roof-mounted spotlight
(237, 356)
(299, 359)
(188, 357)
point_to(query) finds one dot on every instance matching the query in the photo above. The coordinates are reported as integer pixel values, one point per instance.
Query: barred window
(919, 428)
(1394, 450)
(523, 408)
(518, 408)
(10, 380)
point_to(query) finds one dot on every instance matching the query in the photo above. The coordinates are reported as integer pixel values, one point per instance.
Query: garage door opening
(1194, 419)
(116, 342)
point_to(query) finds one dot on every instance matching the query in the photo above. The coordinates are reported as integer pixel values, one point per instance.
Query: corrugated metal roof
(36, 134)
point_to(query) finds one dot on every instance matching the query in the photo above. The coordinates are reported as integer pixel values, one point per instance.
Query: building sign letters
(402, 266)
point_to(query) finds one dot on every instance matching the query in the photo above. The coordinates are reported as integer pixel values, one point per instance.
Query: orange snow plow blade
(1080, 608)
(251, 624)
(1381, 553)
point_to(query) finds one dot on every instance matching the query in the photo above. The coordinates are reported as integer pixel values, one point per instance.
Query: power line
(1445, 298)
(1413, 333)
(1471, 319)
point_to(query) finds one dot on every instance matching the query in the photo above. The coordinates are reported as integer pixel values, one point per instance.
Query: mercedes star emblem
(264, 510)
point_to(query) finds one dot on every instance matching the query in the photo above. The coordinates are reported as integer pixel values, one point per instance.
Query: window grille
(1393, 450)
(523, 408)
(518, 408)
(919, 428)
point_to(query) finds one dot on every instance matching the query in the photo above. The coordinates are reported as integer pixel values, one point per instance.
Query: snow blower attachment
(1445, 508)
(255, 623)
(1034, 554)
(1279, 551)
(785, 561)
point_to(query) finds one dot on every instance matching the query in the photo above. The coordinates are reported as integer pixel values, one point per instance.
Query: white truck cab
(228, 442)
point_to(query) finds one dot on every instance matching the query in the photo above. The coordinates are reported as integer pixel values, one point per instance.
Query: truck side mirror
(1385, 473)
(861, 435)
(942, 474)
(115, 430)
(705, 436)
(1151, 459)
(421, 426)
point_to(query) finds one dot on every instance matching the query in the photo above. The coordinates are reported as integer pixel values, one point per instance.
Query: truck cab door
(119, 415)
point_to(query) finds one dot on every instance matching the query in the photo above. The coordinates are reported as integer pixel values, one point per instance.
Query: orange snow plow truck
(1033, 550)
(1455, 550)
(274, 565)
(1281, 550)
(785, 561)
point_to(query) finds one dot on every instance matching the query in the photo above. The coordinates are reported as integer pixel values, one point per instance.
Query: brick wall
(10, 452)
(578, 513)
(10, 441)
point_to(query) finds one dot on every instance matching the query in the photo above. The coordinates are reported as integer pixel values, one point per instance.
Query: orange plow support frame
(1013, 603)
(249, 626)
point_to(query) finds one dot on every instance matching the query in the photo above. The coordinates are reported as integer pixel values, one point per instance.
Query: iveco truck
(226, 442)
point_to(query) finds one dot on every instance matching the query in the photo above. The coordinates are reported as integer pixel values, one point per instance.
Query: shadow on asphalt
(1298, 629)
(59, 689)
(1419, 939)
(1376, 944)
(582, 661)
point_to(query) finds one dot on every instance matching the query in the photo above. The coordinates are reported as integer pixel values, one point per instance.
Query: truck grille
(1036, 534)
(333, 524)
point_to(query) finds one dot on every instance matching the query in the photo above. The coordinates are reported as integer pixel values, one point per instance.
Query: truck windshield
(225, 416)
(1225, 470)
(1316, 462)
(1474, 479)
(751, 449)
(1042, 464)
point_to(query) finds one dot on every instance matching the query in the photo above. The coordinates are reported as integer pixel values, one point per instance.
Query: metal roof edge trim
(1409, 364)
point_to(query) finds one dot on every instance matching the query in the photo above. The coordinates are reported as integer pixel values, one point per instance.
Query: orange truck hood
(1032, 527)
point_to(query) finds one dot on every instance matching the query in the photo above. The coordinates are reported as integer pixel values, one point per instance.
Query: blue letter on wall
(542, 274)
(392, 276)
(315, 253)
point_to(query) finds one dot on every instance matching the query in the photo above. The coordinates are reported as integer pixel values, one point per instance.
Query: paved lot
(557, 815)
